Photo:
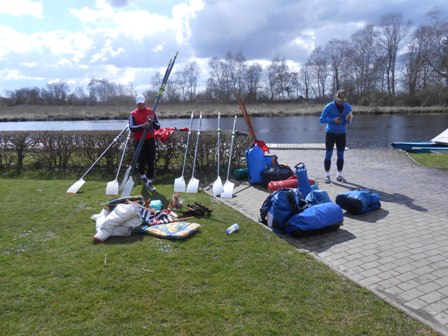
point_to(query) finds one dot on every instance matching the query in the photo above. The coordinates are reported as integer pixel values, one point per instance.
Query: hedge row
(78, 150)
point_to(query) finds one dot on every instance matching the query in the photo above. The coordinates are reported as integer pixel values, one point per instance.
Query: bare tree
(236, 65)
(181, 82)
(318, 66)
(78, 97)
(393, 30)
(220, 79)
(278, 78)
(101, 91)
(305, 80)
(228, 76)
(191, 73)
(438, 45)
(253, 80)
(170, 91)
(362, 58)
(295, 84)
(57, 93)
(336, 51)
(416, 70)
(30, 96)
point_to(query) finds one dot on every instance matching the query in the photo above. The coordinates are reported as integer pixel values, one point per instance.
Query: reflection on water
(365, 132)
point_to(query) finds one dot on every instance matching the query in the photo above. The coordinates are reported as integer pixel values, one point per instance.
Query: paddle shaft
(231, 148)
(102, 154)
(188, 141)
(197, 145)
(219, 139)
(122, 155)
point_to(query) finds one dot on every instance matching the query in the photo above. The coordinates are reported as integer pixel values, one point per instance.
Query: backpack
(358, 201)
(279, 206)
(278, 172)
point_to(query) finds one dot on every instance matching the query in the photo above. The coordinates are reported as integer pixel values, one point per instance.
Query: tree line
(382, 64)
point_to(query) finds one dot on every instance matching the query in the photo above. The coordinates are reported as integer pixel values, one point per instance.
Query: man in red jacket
(140, 118)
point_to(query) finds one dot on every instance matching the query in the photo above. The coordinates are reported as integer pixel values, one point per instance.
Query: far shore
(177, 111)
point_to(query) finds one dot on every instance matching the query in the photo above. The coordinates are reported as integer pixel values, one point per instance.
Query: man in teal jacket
(336, 115)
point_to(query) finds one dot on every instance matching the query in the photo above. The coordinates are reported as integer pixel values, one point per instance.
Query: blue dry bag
(317, 196)
(302, 178)
(316, 219)
(358, 201)
(256, 163)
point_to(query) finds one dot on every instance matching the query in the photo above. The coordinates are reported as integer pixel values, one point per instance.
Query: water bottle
(232, 228)
(156, 204)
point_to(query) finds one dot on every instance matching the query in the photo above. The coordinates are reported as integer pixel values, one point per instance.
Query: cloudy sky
(126, 41)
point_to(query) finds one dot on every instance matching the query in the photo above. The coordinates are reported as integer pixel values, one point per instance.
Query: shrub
(78, 150)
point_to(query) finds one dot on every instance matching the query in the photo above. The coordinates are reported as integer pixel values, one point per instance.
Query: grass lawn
(432, 160)
(55, 281)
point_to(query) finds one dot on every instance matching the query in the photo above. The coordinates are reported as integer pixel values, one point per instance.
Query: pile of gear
(296, 206)
(134, 214)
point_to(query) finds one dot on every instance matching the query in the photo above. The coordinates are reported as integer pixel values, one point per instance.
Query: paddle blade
(112, 188)
(217, 187)
(179, 184)
(76, 186)
(127, 189)
(228, 190)
(125, 178)
(193, 185)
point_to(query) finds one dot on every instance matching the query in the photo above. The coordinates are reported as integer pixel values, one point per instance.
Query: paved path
(400, 252)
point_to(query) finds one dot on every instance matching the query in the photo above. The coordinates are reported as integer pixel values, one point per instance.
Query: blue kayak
(433, 149)
(406, 146)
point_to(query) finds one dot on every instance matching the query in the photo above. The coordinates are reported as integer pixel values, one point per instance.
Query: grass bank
(56, 282)
(45, 113)
(431, 160)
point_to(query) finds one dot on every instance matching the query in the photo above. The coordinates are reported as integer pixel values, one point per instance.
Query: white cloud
(22, 8)
(17, 74)
(10, 41)
(30, 64)
(126, 41)
(182, 15)
(106, 52)
(158, 47)
(133, 24)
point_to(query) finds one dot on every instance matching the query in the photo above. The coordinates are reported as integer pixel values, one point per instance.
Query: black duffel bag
(358, 201)
(278, 172)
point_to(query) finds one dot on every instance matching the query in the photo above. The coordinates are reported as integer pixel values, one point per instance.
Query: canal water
(366, 131)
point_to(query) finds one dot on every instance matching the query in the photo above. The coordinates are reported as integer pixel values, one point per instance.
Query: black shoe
(341, 179)
(150, 187)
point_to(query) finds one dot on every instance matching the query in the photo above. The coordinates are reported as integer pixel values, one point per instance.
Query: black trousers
(147, 157)
(340, 141)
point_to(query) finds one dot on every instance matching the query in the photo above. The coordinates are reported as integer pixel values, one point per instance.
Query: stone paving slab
(400, 252)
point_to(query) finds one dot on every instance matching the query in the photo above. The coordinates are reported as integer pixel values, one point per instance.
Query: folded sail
(442, 137)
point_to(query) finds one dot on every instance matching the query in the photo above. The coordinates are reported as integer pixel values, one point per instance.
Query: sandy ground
(35, 112)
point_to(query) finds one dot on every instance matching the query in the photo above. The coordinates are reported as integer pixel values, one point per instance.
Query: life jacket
(139, 117)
